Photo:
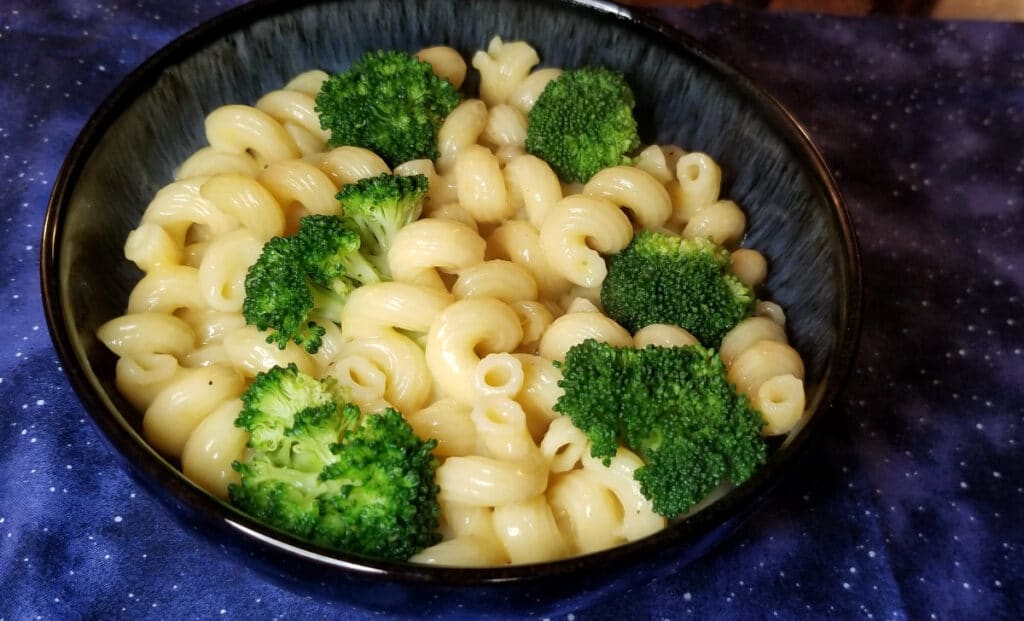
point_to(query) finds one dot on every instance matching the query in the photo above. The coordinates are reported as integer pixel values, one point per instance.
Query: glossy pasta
(496, 281)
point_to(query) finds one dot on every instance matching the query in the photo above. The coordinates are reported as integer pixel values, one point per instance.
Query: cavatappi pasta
(500, 277)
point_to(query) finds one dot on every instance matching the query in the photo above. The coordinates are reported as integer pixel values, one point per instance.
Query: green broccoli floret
(389, 102)
(331, 253)
(302, 280)
(674, 407)
(275, 398)
(378, 207)
(583, 122)
(382, 498)
(278, 297)
(663, 278)
(318, 469)
(281, 488)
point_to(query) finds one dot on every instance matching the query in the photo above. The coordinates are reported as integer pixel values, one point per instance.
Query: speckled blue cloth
(912, 508)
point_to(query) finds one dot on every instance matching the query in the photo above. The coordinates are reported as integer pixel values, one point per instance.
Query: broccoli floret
(583, 122)
(674, 407)
(300, 281)
(382, 498)
(318, 469)
(663, 278)
(378, 207)
(331, 254)
(275, 398)
(281, 487)
(278, 297)
(389, 102)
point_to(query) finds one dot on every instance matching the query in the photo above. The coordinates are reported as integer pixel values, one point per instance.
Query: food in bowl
(466, 331)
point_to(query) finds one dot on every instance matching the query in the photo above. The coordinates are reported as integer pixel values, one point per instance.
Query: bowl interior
(148, 127)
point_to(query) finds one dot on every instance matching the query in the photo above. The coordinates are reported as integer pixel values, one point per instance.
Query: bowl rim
(153, 471)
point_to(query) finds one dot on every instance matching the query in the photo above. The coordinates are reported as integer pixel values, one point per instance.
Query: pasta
(484, 294)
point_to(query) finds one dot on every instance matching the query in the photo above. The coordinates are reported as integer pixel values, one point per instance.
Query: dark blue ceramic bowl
(155, 118)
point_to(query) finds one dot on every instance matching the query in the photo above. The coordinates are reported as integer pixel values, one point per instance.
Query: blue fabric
(912, 506)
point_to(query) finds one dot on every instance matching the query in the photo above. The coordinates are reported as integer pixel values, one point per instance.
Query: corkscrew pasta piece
(300, 188)
(212, 447)
(345, 165)
(722, 221)
(771, 310)
(247, 201)
(489, 482)
(502, 68)
(499, 279)
(577, 231)
(210, 325)
(761, 361)
(528, 531)
(464, 331)
(573, 328)
(189, 396)
(499, 375)
(388, 365)
(381, 307)
(221, 273)
(539, 393)
(447, 421)
(638, 518)
(506, 127)
(585, 511)
(179, 207)
(308, 82)
(441, 191)
(749, 266)
(653, 161)
(780, 400)
(564, 445)
(430, 244)
(147, 333)
(461, 129)
(207, 162)
(296, 112)
(663, 335)
(634, 190)
(525, 94)
(745, 334)
(249, 353)
(698, 183)
(150, 247)
(519, 241)
(480, 185)
(446, 62)
(140, 377)
(244, 129)
(166, 290)
(501, 427)
(533, 186)
(535, 317)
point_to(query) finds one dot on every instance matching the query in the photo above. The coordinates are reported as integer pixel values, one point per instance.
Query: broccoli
(377, 207)
(663, 278)
(304, 279)
(389, 102)
(583, 122)
(275, 397)
(381, 497)
(319, 469)
(333, 255)
(674, 407)
(278, 297)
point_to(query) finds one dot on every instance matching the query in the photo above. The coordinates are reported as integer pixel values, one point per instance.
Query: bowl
(131, 144)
